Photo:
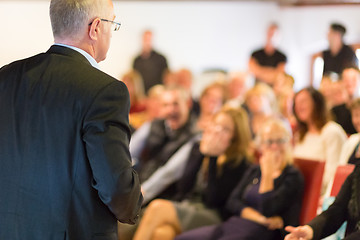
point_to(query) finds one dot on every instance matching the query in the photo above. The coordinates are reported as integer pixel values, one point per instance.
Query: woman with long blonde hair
(213, 168)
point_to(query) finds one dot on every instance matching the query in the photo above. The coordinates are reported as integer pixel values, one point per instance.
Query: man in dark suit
(65, 165)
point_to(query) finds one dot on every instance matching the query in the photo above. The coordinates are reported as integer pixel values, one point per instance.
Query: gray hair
(69, 17)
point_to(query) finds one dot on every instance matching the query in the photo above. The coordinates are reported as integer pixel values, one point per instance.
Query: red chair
(341, 174)
(313, 173)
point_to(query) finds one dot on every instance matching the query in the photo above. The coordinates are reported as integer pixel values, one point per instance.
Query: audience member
(237, 87)
(344, 208)
(65, 165)
(260, 101)
(340, 110)
(134, 84)
(283, 90)
(337, 100)
(212, 171)
(155, 142)
(267, 197)
(326, 88)
(135, 87)
(212, 99)
(339, 55)
(150, 64)
(317, 137)
(267, 62)
(153, 102)
(184, 78)
(350, 152)
(152, 105)
(351, 79)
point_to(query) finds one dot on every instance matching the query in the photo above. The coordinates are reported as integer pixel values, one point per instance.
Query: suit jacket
(65, 166)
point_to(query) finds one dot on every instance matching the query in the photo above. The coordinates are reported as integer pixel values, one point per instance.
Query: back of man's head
(70, 18)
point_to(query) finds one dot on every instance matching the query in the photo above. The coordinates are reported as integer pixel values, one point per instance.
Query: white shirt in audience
(325, 146)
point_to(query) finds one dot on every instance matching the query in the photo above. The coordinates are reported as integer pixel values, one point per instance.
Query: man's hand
(299, 233)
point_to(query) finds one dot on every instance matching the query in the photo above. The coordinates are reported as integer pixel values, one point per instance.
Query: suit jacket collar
(55, 49)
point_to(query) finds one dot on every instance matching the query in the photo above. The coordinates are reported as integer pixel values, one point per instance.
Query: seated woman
(344, 208)
(213, 168)
(260, 101)
(267, 197)
(211, 100)
(317, 137)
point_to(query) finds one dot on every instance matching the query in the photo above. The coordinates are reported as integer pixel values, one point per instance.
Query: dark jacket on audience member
(220, 184)
(160, 145)
(346, 207)
(284, 201)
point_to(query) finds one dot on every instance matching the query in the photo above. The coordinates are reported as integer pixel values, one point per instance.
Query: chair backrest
(313, 173)
(341, 174)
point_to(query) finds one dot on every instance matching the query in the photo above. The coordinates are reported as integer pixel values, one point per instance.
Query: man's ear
(94, 29)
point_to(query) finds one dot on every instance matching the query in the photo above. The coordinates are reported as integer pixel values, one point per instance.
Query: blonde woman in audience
(283, 89)
(317, 137)
(211, 100)
(237, 87)
(261, 103)
(267, 198)
(213, 168)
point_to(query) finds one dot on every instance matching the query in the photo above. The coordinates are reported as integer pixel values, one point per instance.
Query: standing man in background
(266, 63)
(66, 170)
(339, 55)
(150, 64)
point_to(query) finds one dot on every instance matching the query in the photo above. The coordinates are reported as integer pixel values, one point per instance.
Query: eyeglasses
(115, 25)
(278, 141)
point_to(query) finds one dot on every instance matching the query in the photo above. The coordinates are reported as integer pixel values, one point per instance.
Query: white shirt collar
(91, 60)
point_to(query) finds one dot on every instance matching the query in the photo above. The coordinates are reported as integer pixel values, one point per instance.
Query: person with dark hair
(66, 170)
(339, 55)
(317, 137)
(267, 62)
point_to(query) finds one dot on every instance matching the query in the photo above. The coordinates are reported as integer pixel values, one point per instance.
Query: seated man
(155, 142)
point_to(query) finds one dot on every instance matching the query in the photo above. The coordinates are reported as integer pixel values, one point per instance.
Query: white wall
(197, 35)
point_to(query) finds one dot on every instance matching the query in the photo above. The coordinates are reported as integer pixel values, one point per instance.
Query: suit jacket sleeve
(330, 220)
(106, 136)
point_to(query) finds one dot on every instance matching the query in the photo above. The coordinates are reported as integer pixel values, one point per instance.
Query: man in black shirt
(150, 64)
(267, 62)
(339, 55)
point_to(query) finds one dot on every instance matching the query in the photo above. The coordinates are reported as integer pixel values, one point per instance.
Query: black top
(151, 68)
(269, 60)
(346, 207)
(285, 200)
(342, 115)
(161, 143)
(220, 184)
(346, 57)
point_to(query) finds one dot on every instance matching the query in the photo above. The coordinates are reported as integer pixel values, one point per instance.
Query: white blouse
(323, 146)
